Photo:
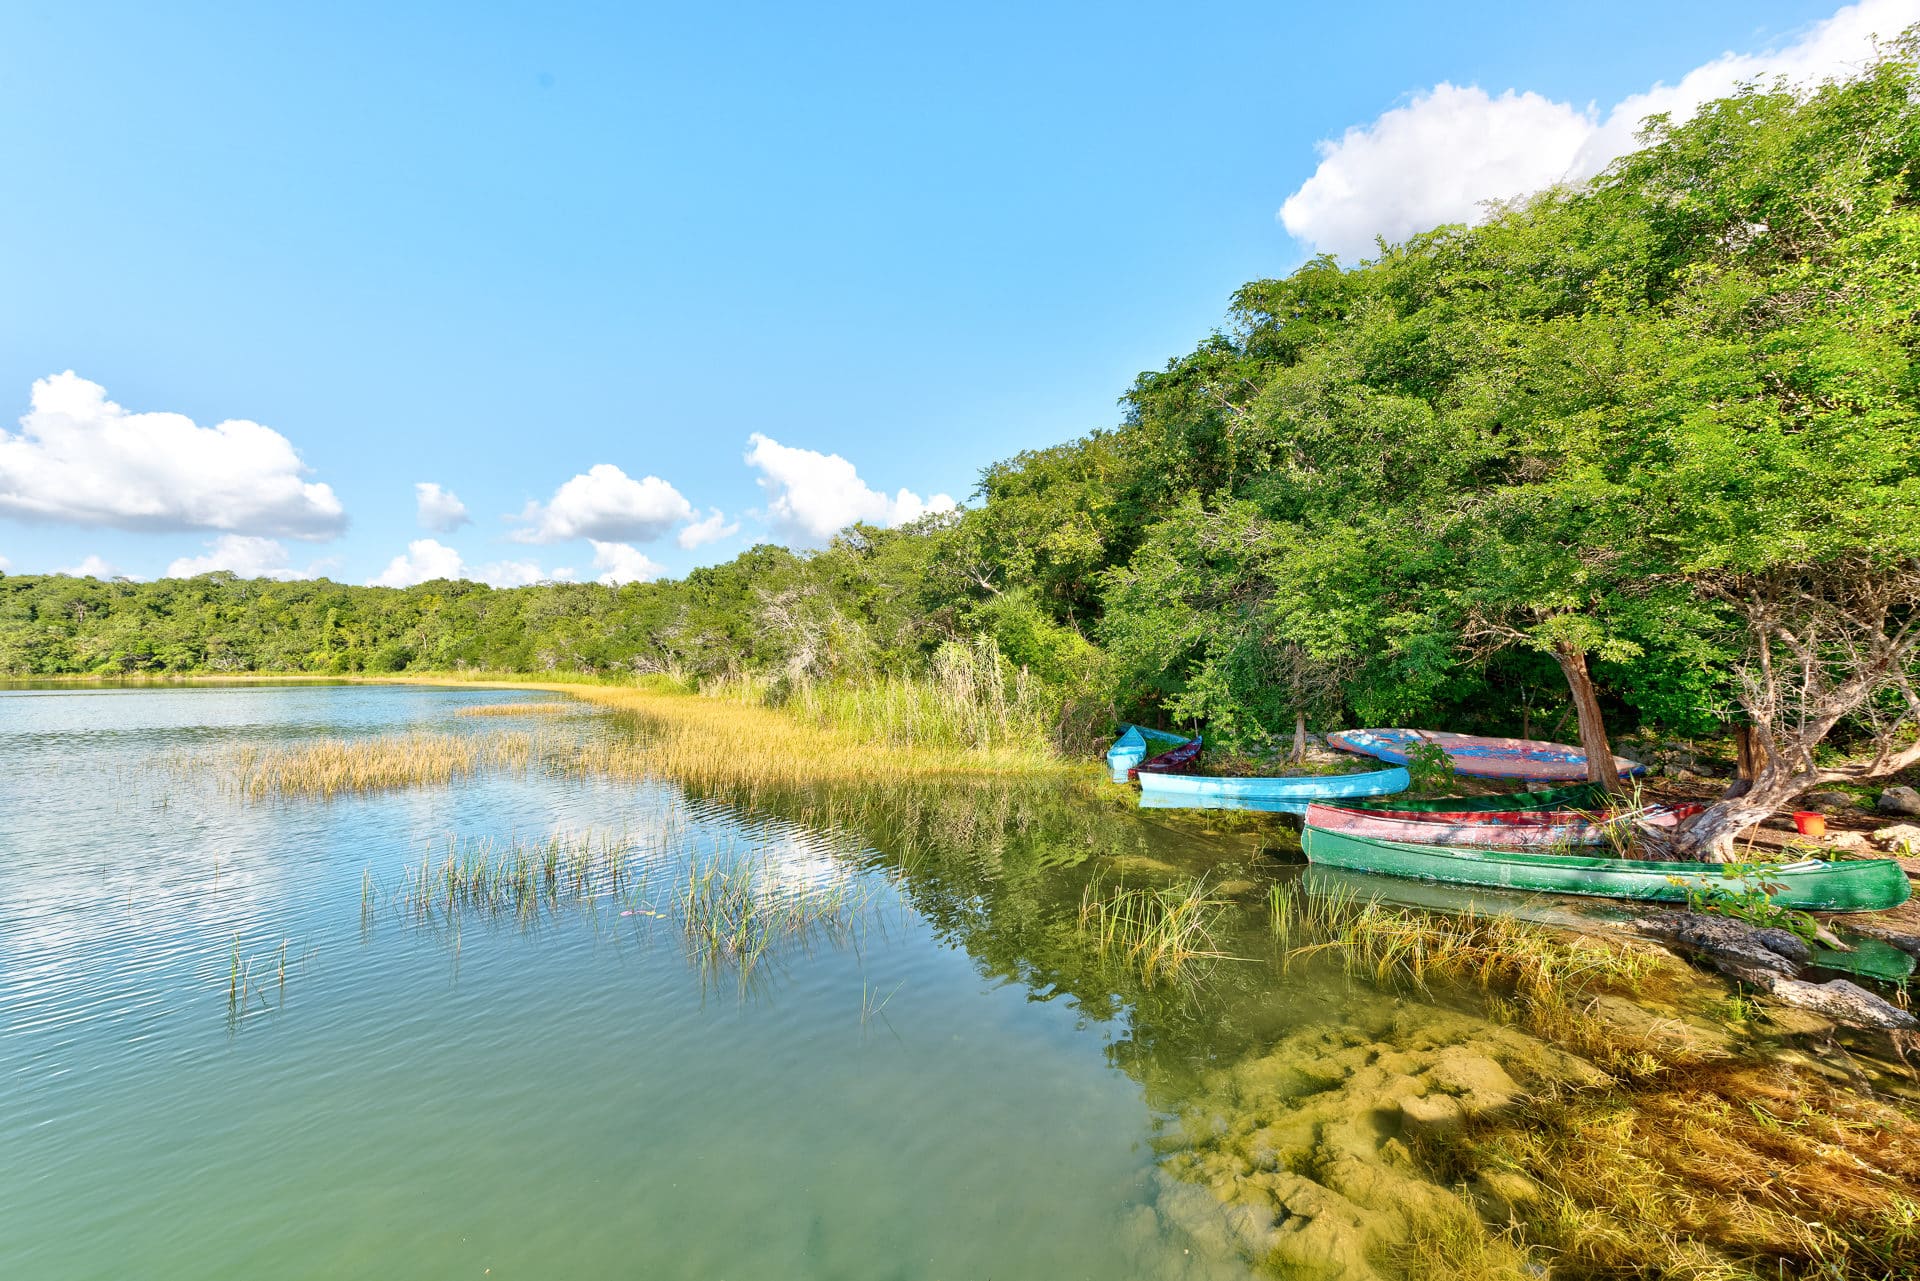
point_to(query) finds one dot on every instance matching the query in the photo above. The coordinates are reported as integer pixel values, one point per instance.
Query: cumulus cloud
(813, 496)
(623, 563)
(1451, 148)
(5, 564)
(244, 554)
(429, 558)
(711, 528)
(79, 458)
(91, 567)
(607, 504)
(439, 509)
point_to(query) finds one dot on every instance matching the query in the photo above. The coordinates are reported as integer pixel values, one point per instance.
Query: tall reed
(1158, 932)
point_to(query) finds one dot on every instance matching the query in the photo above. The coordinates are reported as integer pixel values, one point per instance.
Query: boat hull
(1271, 795)
(1135, 745)
(1478, 756)
(1507, 829)
(1866, 885)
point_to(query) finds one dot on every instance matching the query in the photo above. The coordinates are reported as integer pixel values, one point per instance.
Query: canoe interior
(1582, 796)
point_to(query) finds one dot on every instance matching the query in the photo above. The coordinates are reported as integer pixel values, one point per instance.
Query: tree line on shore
(1640, 453)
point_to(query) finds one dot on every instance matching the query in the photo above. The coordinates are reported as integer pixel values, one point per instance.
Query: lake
(914, 1092)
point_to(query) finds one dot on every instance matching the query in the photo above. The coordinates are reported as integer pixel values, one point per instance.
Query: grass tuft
(1160, 933)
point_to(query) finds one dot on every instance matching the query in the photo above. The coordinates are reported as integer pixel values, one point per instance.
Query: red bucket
(1810, 823)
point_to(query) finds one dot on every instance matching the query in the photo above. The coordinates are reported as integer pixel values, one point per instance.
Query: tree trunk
(1299, 737)
(1593, 728)
(1710, 837)
(1751, 747)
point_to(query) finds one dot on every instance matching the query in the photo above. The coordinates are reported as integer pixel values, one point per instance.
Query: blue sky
(539, 254)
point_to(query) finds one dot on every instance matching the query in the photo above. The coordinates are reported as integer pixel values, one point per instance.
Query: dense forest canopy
(1656, 433)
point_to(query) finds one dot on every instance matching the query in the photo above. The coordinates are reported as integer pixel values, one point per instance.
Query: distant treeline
(1644, 451)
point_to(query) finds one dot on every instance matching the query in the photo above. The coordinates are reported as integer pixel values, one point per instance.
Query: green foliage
(1744, 891)
(1430, 768)
(1599, 424)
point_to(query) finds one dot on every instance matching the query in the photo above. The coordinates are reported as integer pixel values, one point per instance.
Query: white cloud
(424, 559)
(429, 558)
(623, 563)
(710, 529)
(243, 554)
(5, 565)
(607, 504)
(1436, 159)
(439, 509)
(81, 459)
(91, 567)
(814, 496)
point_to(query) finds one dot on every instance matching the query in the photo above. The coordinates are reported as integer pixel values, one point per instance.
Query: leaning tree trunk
(1593, 727)
(1710, 837)
(1299, 737)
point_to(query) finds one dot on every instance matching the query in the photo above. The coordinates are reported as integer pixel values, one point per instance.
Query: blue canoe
(1279, 795)
(1135, 746)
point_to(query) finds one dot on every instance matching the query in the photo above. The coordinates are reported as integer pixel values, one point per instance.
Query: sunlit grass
(331, 766)
(1158, 932)
(518, 709)
(1389, 943)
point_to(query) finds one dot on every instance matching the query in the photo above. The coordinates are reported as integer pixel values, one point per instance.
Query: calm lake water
(941, 1085)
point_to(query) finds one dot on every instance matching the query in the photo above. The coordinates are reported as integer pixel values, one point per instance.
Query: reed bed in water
(731, 907)
(713, 742)
(518, 709)
(1157, 931)
(330, 766)
(1390, 943)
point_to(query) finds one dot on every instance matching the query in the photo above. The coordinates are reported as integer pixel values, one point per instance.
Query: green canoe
(1581, 796)
(1865, 885)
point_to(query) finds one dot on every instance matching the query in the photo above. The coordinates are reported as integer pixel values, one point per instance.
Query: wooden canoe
(1178, 760)
(1508, 829)
(1478, 756)
(1865, 885)
(1288, 795)
(1581, 796)
(1135, 744)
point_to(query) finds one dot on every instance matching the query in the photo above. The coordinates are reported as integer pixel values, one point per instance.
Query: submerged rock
(1730, 946)
(1786, 943)
(1843, 1002)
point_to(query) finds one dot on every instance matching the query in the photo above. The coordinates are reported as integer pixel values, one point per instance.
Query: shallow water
(396, 1095)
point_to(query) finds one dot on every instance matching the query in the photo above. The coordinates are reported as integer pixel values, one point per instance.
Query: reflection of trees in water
(998, 868)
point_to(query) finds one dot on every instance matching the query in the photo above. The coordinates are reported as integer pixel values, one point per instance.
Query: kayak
(1863, 885)
(1135, 745)
(1511, 829)
(1479, 756)
(1179, 760)
(1289, 795)
(1582, 796)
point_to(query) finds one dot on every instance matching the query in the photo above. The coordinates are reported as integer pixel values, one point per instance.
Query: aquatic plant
(1157, 931)
(1389, 943)
(518, 709)
(330, 766)
(1730, 1169)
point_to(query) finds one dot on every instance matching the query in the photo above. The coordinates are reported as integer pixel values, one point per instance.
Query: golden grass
(330, 766)
(716, 742)
(1391, 943)
(518, 709)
